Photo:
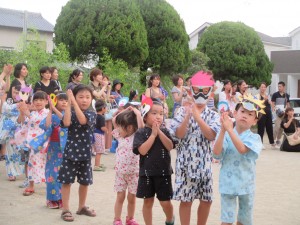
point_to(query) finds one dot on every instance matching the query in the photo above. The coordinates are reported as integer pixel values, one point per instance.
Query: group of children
(56, 143)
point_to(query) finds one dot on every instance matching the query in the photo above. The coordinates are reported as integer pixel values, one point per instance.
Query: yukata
(127, 164)
(8, 126)
(193, 173)
(237, 177)
(28, 132)
(57, 137)
(78, 151)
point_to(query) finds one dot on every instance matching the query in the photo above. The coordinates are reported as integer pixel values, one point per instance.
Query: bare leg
(203, 212)
(238, 223)
(83, 189)
(65, 196)
(97, 159)
(147, 210)
(185, 212)
(131, 205)
(168, 210)
(119, 204)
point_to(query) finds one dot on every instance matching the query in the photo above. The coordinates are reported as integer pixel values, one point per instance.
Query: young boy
(238, 148)
(99, 132)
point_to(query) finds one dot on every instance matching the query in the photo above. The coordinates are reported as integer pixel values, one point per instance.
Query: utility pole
(25, 18)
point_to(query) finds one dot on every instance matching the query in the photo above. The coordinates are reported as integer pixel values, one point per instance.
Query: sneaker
(118, 222)
(277, 146)
(52, 204)
(24, 184)
(131, 221)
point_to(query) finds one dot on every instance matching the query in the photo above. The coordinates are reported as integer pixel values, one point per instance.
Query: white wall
(270, 47)
(10, 37)
(193, 42)
(296, 41)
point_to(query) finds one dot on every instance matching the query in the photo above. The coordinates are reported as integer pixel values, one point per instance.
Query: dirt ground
(277, 200)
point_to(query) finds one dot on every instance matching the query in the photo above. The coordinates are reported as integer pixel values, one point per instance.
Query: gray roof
(15, 18)
(276, 40)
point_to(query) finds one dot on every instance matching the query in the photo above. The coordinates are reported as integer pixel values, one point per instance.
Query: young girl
(57, 137)
(154, 144)
(238, 148)
(8, 126)
(30, 130)
(196, 126)
(77, 154)
(127, 164)
(99, 132)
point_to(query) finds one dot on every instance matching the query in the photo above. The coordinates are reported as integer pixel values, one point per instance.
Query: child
(126, 124)
(8, 125)
(196, 126)
(57, 140)
(238, 148)
(30, 130)
(154, 144)
(99, 132)
(77, 153)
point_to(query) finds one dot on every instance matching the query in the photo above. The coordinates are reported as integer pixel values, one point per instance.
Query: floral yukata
(193, 171)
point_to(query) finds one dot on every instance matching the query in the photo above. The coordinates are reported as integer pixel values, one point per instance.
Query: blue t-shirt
(237, 173)
(79, 141)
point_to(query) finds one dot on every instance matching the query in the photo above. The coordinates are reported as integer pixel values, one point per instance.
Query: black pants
(266, 122)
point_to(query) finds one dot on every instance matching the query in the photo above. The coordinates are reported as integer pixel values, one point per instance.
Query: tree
(86, 27)
(198, 62)
(236, 52)
(167, 38)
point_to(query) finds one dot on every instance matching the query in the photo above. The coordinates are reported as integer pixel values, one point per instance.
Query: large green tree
(236, 52)
(88, 26)
(168, 41)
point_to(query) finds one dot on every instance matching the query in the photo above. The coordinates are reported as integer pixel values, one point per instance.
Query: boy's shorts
(99, 143)
(188, 189)
(159, 185)
(124, 181)
(71, 169)
(245, 211)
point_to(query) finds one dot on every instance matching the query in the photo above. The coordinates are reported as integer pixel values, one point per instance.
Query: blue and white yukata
(8, 126)
(237, 177)
(193, 173)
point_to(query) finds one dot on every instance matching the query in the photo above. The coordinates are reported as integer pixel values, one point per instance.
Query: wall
(10, 37)
(296, 41)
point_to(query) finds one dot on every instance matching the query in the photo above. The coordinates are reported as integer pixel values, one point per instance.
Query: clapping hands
(226, 122)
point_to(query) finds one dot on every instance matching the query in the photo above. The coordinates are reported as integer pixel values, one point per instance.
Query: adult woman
(46, 84)
(20, 74)
(178, 92)
(74, 79)
(98, 86)
(108, 123)
(227, 96)
(116, 90)
(241, 88)
(153, 90)
(54, 76)
(265, 121)
(289, 125)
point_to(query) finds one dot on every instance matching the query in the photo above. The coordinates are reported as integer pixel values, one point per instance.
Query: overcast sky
(274, 18)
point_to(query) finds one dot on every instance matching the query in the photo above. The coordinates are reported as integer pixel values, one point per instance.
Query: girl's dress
(57, 137)
(30, 131)
(8, 126)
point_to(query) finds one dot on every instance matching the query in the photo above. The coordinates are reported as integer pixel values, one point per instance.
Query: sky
(273, 18)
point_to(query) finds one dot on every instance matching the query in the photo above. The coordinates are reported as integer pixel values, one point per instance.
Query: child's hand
(155, 128)
(51, 106)
(196, 111)
(71, 96)
(23, 107)
(226, 122)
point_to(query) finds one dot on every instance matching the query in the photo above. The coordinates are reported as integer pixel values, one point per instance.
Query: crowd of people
(50, 135)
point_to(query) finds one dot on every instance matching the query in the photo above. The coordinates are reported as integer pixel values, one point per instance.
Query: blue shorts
(245, 211)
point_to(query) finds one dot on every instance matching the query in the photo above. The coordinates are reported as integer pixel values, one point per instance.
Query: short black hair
(44, 69)
(282, 83)
(61, 95)
(99, 105)
(127, 118)
(40, 95)
(18, 69)
(176, 78)
(82, 87)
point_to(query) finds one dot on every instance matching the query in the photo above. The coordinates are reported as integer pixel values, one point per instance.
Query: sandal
(67, 216)
(28, 192)
(99, 168)
(12, 178)
(86, 211)
(52, 205)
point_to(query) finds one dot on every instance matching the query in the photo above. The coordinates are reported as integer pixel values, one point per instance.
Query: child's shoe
(131, 221)
(24, 184)
(172, 222)
(60, 204)
(99, 168)
(118, 222)
(52, 204)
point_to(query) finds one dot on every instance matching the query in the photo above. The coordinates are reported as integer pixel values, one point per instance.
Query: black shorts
(159, 185)
(71, 169)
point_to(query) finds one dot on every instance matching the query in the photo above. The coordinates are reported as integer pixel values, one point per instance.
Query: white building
(14, 22)
(284, 53)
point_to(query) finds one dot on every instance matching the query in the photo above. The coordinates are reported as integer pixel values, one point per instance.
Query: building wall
(270, 47)
(10, 38)
(296, 41)
(193, 42)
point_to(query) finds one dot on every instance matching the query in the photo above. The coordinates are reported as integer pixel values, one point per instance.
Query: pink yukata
(127, 164)
(29, 131)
